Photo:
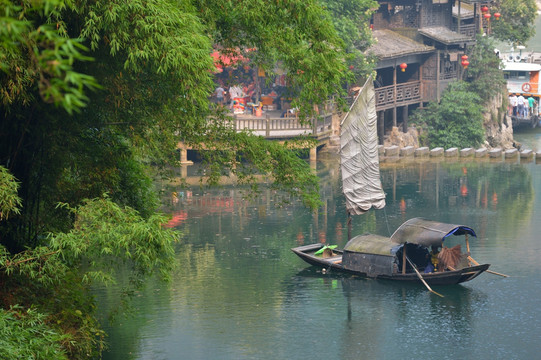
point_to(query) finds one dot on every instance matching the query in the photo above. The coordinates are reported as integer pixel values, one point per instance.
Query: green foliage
(105, 239)
(10, 202)
(299, 34)
(457, 121)
(484, 74)
(517, 23)
(36, 55)
(65, 306)
(351, 19)
(25, 334)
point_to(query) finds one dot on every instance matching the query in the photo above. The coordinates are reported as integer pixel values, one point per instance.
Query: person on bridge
(220, 94)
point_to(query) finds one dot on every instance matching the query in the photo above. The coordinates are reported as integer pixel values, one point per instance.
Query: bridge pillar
(184, 171)
(313, 154)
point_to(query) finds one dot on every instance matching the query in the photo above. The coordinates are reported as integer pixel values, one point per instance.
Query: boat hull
(528, 121)
(334, 263)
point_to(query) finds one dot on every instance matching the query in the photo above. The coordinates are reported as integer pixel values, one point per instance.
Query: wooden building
(419, 44)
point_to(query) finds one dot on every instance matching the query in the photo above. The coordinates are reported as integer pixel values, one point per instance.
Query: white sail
(361, 181)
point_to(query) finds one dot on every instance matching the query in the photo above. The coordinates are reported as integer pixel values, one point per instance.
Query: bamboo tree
(94, 97)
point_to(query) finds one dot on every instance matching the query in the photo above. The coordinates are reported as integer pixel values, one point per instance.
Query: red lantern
(403, 67)
(464, 57)
(484, 8)
(497, 16)
(465, 63)
(487, 16)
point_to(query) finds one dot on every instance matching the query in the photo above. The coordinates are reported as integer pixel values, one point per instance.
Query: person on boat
(433, 260)
(520, 102)
(531, 104)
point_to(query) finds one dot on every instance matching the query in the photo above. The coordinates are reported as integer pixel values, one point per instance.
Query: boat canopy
(370, 244)
(427, 233)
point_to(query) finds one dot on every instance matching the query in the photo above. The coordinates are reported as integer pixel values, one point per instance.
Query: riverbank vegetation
(458, 120)
(94, 98)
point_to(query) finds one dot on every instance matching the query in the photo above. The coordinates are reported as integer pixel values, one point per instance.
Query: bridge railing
(278, 127)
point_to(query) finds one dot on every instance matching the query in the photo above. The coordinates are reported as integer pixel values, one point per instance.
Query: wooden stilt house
(419, 44)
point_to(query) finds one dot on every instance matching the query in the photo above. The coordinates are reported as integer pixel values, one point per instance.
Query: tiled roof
(391, 44)
(444, 35)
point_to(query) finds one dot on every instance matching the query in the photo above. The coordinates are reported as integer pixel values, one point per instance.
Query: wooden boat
(522, 78)
(405, 254)
(384, 258)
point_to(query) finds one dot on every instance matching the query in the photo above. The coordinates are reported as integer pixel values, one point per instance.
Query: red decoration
(497, 16)
(403, 66)
(464, 57)
(464, 190)
(487, 16)
(484, 8)
(465, 63)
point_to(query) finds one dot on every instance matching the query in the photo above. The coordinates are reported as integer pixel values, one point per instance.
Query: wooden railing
(283, 127)
(468, 30)
(390, 96)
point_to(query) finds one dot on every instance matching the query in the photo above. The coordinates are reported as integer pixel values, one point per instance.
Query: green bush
(457, 121)
(24, 334)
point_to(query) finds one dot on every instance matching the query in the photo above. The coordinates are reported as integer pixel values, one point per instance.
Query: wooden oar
(421, 278)
(488, 271)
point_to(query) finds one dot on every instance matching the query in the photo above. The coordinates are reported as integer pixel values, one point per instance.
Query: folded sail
(361, 181)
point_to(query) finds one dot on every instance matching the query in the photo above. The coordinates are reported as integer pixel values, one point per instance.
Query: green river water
(240, 293)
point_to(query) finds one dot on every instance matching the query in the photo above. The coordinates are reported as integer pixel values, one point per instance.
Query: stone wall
(498, 126)
(402, 139)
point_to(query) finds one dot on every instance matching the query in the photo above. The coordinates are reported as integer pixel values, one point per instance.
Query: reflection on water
(529, 138)
(404, 315)
(240, 293)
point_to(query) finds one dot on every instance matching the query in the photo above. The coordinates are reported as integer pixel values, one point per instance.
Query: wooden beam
(404, 259)
(438, 75)
(488, 271)
(394, 96)
(405, 118)
(423, 280)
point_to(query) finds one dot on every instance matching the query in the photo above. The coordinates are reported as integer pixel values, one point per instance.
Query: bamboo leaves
(10, 202)
(107, 236)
